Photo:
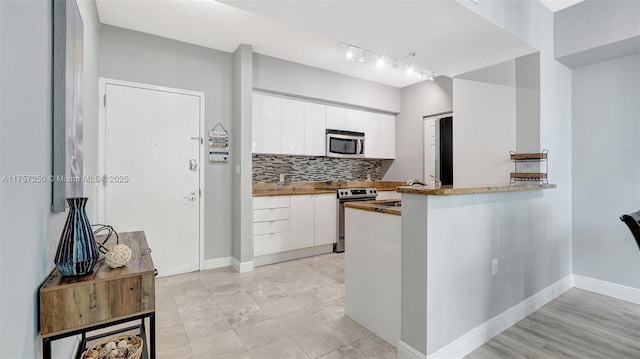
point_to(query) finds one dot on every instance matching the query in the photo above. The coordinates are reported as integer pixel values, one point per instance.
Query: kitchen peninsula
(468, 256)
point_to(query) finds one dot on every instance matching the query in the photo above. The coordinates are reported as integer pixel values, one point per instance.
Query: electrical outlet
(494, 267)
(282, 177)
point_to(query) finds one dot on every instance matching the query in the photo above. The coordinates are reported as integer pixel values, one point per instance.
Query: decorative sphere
(118, 256)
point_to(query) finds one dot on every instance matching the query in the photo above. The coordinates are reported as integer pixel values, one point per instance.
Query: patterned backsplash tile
(267, 168)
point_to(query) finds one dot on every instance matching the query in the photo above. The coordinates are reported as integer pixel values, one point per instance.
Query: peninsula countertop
(301, 188)
(391, 206)
(452, 191)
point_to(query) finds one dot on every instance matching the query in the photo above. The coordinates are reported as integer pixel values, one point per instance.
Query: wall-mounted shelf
(530, 167)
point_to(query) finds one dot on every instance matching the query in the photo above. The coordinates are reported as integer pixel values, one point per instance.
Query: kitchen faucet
(437, 181)
(415, 181)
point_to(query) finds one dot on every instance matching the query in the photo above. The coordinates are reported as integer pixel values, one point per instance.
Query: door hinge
(105, 100)
(199, 193)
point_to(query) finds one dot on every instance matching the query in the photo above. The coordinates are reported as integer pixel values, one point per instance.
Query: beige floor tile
(280, 306)
(265, 293)
(349, 330)
(284, 348)
(331, 292)
(177, 279)
(166, 318)
(182, 352)
(171, 337)
(235, 301)
(295, 287)
(374, 347)
(344, 352)
(318, 341)
(226, 290)
(204, 328)
(246, 315)
(218, 346)
(200, 310)
(309, 300)
(330, 312)
(297, 322)
(255, 335)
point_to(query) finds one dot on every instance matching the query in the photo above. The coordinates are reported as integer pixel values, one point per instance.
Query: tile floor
(287, 310)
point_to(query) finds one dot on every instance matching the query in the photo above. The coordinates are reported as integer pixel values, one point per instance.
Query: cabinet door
(335, 117)
(314, 129)
(326, 219)
(292, 127)
(387, 136)
(371, 124)
(301, 223)
(353, 120)
(266, 124)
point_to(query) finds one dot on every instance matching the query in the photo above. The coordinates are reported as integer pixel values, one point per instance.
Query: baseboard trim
(241, 267)
(613, 290)
(406, 351)
(481, 334)
(217, 263)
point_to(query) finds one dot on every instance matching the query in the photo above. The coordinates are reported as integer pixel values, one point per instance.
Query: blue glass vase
(77, 251)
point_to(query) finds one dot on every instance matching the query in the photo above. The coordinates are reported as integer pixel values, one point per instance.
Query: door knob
(193, 165)
(192, 197)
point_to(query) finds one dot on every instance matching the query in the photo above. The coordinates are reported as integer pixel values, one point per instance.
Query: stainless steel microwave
(345, 144)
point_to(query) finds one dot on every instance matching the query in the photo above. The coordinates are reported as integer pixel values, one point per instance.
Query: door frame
(102, 142)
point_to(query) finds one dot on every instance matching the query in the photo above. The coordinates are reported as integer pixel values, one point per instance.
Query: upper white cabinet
(387, 136)
(353, 120)
(265, 135)
(292, 121)
(335, 117)
(314, 129)
(371, 124)
(295, 127)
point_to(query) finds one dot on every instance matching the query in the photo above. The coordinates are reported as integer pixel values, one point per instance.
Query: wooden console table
(72, 306)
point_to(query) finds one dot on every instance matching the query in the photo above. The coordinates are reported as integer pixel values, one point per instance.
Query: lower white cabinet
(285, 223)
(325, 219)
(302, 221)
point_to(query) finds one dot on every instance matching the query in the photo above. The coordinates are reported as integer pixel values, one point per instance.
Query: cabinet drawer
(270, 202)
(270, 227)
(271, 214)
(270, 243)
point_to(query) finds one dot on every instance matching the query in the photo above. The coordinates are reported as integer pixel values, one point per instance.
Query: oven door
(346, 146)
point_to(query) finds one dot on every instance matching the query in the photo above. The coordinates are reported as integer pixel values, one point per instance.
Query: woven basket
(94, 351)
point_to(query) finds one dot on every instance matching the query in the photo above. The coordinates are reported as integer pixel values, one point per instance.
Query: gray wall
(597, 30)
(272, 74)
(528, 103)
(29, 231)
(418, 100)
(606, 169)
(242, 185)
(138, 57)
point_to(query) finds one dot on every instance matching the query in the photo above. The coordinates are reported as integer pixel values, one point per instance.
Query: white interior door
(430, 148)
(151, 143)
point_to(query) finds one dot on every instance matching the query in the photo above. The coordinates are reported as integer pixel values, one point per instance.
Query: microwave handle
(360, 148)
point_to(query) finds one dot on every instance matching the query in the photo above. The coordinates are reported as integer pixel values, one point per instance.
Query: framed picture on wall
(67, 103)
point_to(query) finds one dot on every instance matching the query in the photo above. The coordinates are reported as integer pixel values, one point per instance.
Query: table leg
(152, 335)
(46, 348)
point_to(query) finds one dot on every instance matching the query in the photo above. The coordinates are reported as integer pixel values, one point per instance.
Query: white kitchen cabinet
(270, 224)
(314, 129)
(325, 208)
(388, 195)
(353, 120)
(270, 243)
(292, 121)
(302, 217)
(335, 117)
(371, 125)
(265, 135)
(387, 136)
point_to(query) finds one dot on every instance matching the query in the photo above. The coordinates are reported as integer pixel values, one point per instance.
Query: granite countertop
(300, 188)
(391, 206)
(452, 191)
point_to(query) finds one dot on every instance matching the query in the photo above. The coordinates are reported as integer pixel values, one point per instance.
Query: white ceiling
(557, 5)
(449, 38)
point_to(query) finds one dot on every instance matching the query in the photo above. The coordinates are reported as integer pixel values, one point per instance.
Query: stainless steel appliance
(350, 195)
(345, 144)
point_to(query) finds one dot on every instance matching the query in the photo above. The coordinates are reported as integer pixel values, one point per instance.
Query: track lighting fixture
(406, 63)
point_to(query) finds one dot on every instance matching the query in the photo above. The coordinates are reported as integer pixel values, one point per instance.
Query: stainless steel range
(350, 195)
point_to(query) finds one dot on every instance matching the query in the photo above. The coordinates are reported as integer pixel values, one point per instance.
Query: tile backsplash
(267, 168)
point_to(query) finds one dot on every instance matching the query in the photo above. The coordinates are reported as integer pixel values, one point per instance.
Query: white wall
(484, 125)
(29, 231)
(418, 100)
(138, 57)
(606, 169)
(272, 74)
(597, 30)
